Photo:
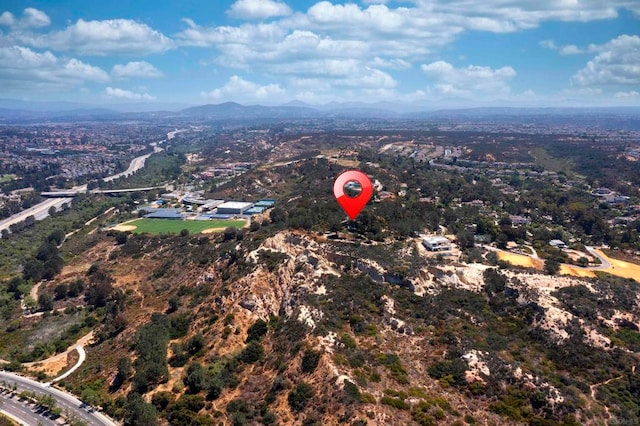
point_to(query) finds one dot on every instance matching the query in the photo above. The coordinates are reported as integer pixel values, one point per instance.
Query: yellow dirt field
(576, 272)
(621, 268)
(520, 260)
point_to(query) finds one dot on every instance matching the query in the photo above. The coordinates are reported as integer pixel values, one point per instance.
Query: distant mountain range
(627, 118)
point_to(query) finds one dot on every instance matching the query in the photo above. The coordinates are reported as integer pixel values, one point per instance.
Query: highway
(22, 412)
(65, 401)
(41, 211)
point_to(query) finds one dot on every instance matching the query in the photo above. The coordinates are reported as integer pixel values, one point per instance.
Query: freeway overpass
(73, 193)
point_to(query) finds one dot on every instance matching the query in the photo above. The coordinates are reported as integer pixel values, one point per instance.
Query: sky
(272, 52)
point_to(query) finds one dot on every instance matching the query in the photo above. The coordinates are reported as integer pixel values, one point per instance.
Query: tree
(75, 288)
(195, 344)
(465, 240)
(551, 266)
(45, 302)
(310, 361)
(138, 412)
(32, 270)
(257, 330)
(121, 238)
(229, 233)
(124, 369)
(174, 304)
(277, 215)
(252, 353)
(30, 221)
(60, 292)
(299, 396)
(195, 378)
(56, 237)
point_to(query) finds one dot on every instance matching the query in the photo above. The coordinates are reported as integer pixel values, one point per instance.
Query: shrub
(257, 330)
(252, 353)
(299, 396)
(310, 361)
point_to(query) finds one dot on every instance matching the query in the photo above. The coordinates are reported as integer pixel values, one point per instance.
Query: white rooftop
(435, 240)
(235, 205)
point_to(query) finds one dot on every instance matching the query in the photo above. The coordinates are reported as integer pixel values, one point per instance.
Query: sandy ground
(123, 228)
(55, 364)
(520, 260)
(211, 230)
(621, 268)
(576, 272)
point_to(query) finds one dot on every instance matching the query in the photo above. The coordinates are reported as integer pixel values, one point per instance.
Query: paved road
(22, 412)
(64, 400)
(39, 211)
(82, 355)
(605, 264)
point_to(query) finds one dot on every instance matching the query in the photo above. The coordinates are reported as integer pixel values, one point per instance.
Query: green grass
(6, 178)
(169, 226)
(550, 163)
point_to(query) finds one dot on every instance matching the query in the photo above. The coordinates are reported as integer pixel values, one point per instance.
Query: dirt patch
(56, 365)
(576, 272)
(620, 268)
(124, 228)
(212, 230)
(520, 260)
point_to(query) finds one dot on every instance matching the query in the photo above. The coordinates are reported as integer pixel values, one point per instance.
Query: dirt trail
(606, 382)
(83, 341)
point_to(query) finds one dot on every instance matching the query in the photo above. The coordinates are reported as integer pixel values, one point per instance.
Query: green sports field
(168, 226)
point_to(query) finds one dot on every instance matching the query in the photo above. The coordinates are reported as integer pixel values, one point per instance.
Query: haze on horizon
(271, 52)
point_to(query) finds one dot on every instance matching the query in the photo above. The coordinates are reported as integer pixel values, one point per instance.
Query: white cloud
(135, 69)
(617, 63)
(112, 36)
(21, 67)
(31, 18)
(470, 80)
(7, 19)
(115, 92)
(258, 9)
(627, 95)
(239, 89)
(569, 49)
(393, 63)
(548, 44)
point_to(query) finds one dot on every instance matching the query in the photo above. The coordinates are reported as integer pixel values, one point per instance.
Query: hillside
(288, 327)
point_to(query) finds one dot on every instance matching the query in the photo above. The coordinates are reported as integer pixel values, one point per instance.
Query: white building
(436, 243)
(233, 207)
(558, 244)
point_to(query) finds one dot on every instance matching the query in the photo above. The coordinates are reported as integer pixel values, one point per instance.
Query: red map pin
(352, 205)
